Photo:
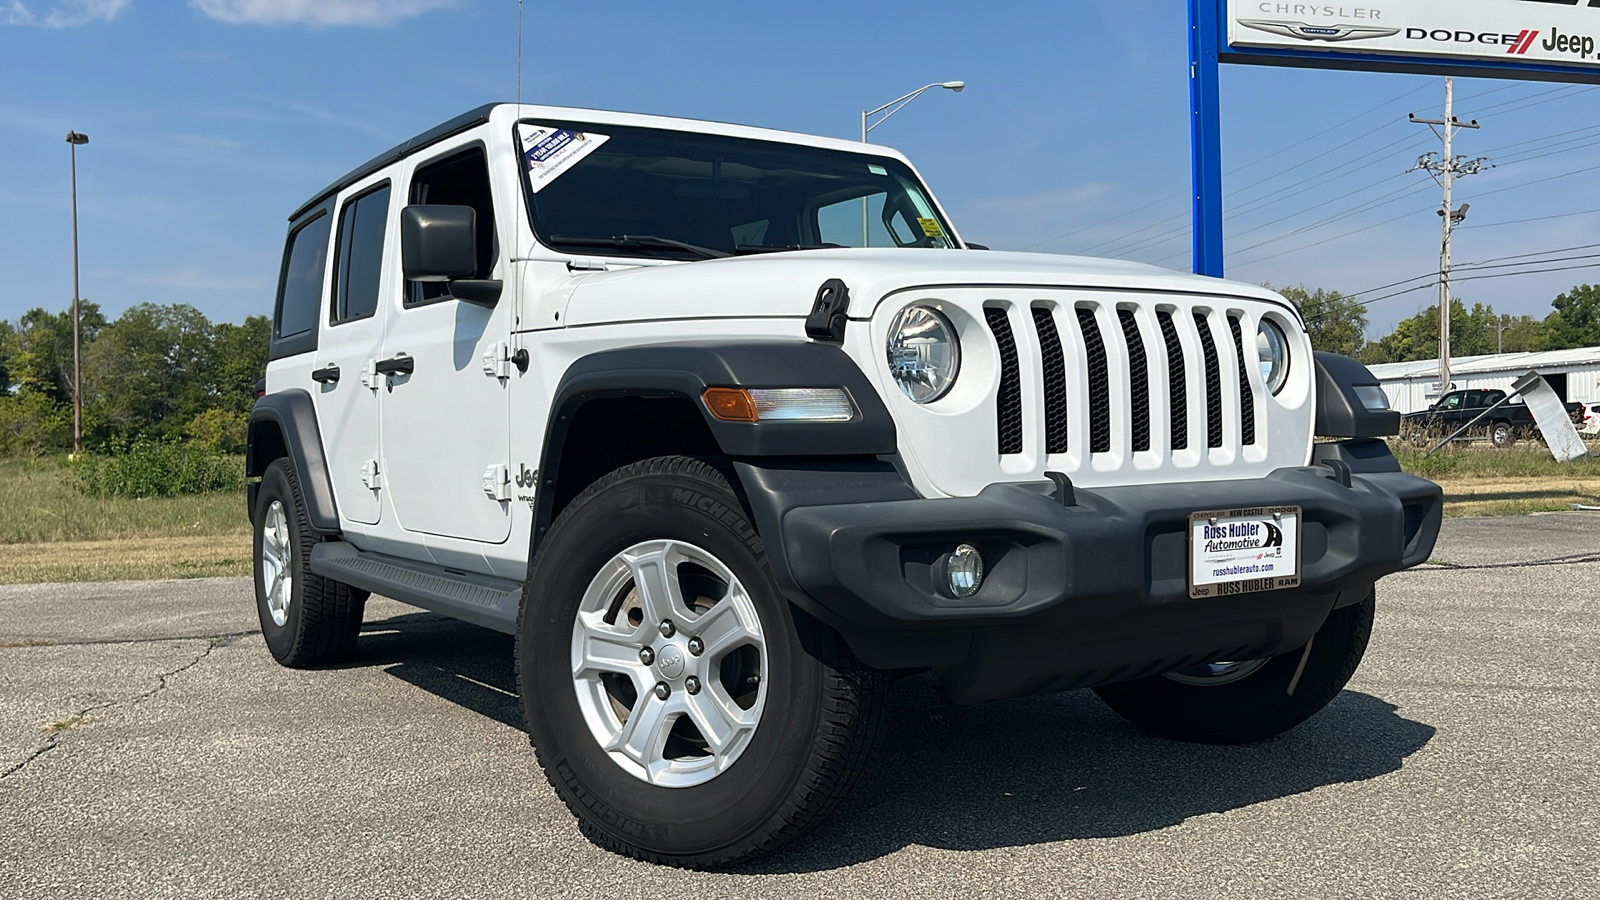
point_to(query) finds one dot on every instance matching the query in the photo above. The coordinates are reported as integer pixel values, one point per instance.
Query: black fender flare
(294, 416)
(684, 371)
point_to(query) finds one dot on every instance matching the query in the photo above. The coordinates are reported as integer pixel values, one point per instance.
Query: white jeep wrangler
(728, 426)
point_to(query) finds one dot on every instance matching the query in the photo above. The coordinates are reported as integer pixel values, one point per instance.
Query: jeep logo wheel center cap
(670, 662)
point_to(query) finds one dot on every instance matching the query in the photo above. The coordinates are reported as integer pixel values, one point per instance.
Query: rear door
(444, 421)
(346, 391)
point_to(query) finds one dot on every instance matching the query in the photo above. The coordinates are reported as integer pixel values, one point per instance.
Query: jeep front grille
(1009, 405)
(1091, 357)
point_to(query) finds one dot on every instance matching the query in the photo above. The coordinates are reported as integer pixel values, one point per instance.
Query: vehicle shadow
(1012, 773)
(471, 667)
(1065, 767)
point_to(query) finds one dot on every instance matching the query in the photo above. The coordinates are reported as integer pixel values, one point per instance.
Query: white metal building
(1412, 386)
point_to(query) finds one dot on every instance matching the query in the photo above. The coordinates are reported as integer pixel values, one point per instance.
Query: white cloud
(63, 13)
(316, 12)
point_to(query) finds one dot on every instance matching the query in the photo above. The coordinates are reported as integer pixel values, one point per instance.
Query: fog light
(963, 569)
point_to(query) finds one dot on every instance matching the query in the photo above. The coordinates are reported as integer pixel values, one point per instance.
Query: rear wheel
(306, 619)
(1502, 435)
(682, 709)
(1239, 701)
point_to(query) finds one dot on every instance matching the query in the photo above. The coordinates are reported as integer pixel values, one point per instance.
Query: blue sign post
(1205, 123)
(1537, 40)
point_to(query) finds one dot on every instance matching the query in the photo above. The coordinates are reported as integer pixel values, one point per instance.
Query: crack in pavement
(212, 643)
(32, 643)
(1573, 560)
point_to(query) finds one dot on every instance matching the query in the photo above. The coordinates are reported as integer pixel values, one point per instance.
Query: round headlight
(1272, 349)
(924, 353)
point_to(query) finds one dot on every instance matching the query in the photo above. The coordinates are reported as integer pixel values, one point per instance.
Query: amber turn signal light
(730, 404)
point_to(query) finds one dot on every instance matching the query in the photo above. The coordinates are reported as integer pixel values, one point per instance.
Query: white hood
(784, 285)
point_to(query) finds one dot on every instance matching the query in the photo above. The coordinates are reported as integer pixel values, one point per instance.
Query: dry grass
(1516, 496)
(126, 559)
(50, 532)
(1484, 481)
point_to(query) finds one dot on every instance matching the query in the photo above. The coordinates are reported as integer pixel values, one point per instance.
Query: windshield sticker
(549, 152)
(877, 170)
(930, 227)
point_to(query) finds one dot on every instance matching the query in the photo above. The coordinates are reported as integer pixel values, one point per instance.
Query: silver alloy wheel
(1216, 674)
(669, 663)
(277, 578)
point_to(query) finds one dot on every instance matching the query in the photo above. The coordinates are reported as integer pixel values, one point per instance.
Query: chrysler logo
(1329, 33)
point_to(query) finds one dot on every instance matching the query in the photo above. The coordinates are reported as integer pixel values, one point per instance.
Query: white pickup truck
(728, 426)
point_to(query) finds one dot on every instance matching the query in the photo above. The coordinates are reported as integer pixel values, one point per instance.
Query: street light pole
(75, 138)
(898, 103)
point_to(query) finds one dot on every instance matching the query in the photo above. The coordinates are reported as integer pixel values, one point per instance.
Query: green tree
(1519, 334)
(40, 358)
(1575, 322)
(1334, 322)
(238, 360)
(1473, 332)
(148, 372)
(6, 335)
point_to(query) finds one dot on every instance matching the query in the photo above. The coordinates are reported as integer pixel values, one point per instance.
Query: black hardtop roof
(398, 152)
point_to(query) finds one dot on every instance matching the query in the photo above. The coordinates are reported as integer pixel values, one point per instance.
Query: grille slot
(1177, 382)
(1138, 380)
(1054, 364)
(1008, 408)
(1247, 399)
(1208, 348)
(1094, 347)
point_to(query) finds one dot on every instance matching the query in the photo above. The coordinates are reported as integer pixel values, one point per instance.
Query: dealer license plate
(1240, 551)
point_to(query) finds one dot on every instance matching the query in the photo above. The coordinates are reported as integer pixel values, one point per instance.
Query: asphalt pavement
(150, 747)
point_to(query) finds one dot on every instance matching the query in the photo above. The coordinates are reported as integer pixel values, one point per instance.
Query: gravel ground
(151, 748)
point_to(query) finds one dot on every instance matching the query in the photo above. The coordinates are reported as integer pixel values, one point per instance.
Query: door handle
(326, 375)
(397, 365)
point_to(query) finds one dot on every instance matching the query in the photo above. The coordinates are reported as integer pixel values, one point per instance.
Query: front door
(444, 407)
(352, 337)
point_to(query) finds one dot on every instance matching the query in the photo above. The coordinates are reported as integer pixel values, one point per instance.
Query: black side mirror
(440, 243)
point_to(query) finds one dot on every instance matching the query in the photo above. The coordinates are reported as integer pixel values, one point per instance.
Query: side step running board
(478, 599)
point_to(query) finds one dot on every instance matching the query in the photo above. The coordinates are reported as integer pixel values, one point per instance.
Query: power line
(1582, 212)
(1235, 171)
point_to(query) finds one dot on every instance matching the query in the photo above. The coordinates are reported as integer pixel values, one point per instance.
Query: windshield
(612, 190)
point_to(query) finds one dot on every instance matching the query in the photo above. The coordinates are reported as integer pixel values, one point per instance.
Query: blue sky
(210, 120)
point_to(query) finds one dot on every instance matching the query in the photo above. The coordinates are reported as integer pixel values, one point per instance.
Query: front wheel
(1240, 701)
(681, 708)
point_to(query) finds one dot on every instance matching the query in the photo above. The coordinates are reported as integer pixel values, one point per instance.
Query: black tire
(1260, 704)
(1501, 434)
(323, 616)
(822, 716)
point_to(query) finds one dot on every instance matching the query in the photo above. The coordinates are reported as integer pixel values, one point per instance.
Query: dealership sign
(1529, 40)
(1552, 32)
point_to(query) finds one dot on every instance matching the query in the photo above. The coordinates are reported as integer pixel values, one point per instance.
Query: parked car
(1589, 419)
(1504, 426)
(632, 390)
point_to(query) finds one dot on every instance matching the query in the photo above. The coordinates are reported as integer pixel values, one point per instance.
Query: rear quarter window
(305, 265)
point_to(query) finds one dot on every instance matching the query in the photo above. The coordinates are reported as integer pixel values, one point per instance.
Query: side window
(459, 180)
(358, 263)
(300, 287)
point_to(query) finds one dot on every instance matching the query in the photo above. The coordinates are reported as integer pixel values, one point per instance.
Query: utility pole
(1444, 170)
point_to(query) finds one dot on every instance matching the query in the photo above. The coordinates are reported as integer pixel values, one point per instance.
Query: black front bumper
(1079, 594)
